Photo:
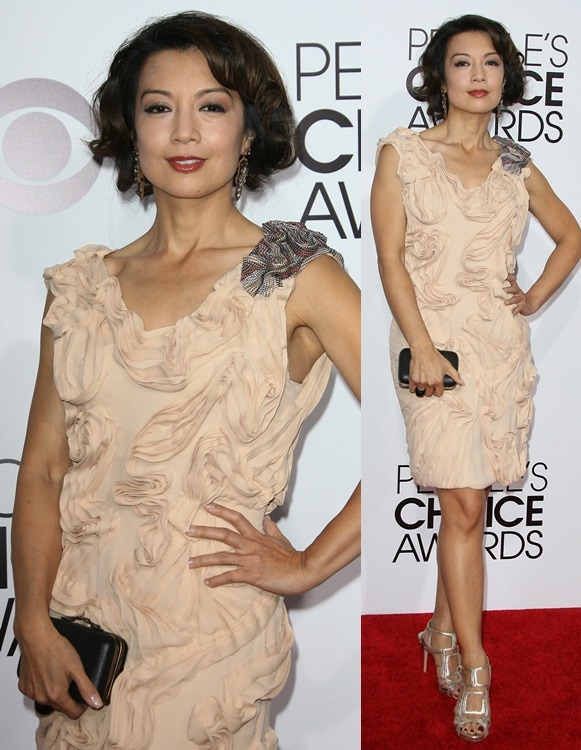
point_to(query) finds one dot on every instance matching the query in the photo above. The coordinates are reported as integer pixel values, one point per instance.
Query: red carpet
(536, 692)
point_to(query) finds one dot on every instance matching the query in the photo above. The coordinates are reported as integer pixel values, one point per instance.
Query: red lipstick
(185, 163)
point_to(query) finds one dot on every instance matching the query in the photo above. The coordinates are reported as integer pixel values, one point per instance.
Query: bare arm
(329, 305)
(388, 219)
(561, 226)
(48, 661)
(325, 302)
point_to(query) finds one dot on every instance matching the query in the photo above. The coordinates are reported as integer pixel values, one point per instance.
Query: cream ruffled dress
(159, 423)
(459, 249)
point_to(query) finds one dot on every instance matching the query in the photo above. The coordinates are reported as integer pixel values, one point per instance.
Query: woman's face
(189, 128)
(474, 73)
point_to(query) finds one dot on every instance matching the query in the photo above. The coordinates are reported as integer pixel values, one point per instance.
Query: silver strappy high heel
(474, 682)
(448, 678)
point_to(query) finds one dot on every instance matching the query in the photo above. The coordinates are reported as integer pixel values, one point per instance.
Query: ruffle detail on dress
(423, 197)
(160, 422)
(427, 252)
(285, 249)
(216, 698)
(459, 251)
(76, 307)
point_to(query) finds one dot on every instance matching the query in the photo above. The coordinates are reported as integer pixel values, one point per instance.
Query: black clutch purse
(403, 368)
(102, 654)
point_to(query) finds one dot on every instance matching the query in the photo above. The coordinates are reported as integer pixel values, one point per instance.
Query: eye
(461, 63)
(45, 165)
(213, 107)
(154, 109)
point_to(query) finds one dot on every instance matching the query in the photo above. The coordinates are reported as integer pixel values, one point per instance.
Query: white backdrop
(532, 529)
(52, 201)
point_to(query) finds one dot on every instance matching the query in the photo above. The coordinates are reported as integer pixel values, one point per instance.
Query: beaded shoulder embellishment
(285, 249)
(512, 155)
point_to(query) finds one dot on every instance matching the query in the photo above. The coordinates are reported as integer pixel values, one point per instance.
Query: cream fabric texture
(459, 250)
(159, 423)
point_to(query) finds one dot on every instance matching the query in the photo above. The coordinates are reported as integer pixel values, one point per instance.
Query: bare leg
(460, 592)
(461, 568)
(442, 621)
(442, 616)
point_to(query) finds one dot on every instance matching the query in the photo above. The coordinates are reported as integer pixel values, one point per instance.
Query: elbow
(390, 266)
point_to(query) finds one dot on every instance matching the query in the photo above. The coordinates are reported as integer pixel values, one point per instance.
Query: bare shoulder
(322, 285)
(541, 194)
(324, 269)
(536, 181)
(387, 159)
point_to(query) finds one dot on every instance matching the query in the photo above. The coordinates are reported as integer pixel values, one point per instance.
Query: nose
(478, 73)
(185, 127)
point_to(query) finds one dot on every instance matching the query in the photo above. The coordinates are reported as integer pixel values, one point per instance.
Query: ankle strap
(432, 631)
(471, 676)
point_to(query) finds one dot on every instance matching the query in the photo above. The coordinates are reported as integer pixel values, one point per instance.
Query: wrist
(418, 348)
(28, 625)
(533, 301)
(313, 571)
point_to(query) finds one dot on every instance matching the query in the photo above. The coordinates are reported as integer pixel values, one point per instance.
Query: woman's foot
(444, 648)
(472, 711)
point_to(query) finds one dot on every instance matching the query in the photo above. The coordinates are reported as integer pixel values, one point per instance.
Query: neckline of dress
(113, 280)
(455, 177)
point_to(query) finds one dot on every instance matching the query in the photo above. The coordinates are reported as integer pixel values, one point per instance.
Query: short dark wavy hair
(237, 61)
(433, 59)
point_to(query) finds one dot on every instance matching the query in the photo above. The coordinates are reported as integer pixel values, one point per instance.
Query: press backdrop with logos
(54, 199)
(532, 527)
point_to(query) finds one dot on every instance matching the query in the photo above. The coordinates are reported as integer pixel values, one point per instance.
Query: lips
(478, 93)
(185, 163)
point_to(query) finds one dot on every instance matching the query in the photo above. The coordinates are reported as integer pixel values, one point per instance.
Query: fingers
(55, 696)
(214, 558)
(236, 519)
(231, 576)
(517, 302)
(65, 705)
(70, 707)
(510, 286)
(237, 540)
(243, 529)
(422, 388)
(436, 387)
(263, 558)
(455, 375)
(46, 675)
(88, 691)
(271, 529)
(516, 299)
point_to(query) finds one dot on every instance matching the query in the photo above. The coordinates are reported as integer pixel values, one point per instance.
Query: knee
(464, 512)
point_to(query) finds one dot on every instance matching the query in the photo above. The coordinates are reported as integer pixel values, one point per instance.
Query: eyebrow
(202, 92)
(468, 54)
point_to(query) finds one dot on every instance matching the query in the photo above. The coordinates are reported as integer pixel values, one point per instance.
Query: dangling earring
(500, 104)
(241, 174)
(444, 104)
(138, 174)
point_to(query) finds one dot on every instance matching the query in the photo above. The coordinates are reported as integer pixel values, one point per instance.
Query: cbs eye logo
(44, 165)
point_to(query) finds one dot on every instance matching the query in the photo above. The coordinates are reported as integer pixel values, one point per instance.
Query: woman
(174, 376)
(448, 208)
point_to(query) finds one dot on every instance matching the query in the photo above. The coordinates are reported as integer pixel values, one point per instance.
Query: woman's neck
(468, 130)
(183, 225)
